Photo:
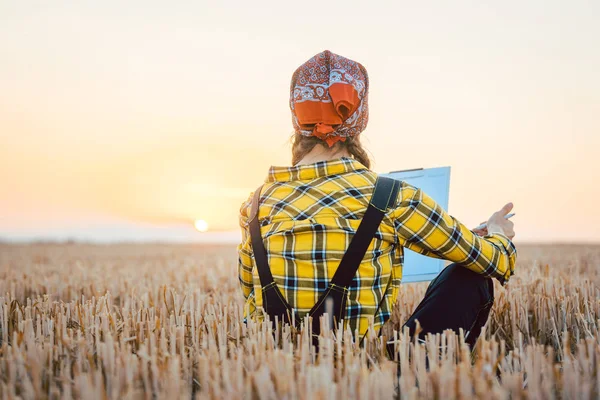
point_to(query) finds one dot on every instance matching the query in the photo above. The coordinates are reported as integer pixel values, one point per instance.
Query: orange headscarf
(328, 98)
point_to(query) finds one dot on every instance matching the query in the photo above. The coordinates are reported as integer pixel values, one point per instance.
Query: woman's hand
(481, 232)
(498, 224)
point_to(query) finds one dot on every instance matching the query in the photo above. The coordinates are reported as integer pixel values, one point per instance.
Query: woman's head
(329, 104)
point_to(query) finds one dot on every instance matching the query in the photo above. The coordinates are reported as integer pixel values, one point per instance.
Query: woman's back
(308, 216)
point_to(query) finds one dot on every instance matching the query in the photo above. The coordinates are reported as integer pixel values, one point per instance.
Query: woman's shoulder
(245, 209)
(246, 206)
(407, 193)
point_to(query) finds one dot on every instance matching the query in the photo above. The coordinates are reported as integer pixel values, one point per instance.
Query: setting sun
(201, 225)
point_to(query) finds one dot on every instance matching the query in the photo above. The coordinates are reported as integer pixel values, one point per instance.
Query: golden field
(164, 321)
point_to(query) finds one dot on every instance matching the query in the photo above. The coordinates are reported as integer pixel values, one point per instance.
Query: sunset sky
(146, 115)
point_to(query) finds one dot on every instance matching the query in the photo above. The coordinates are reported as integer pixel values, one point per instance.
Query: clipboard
(436, 183)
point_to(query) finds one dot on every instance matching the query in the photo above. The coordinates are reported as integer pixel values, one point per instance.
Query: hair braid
(302, 145)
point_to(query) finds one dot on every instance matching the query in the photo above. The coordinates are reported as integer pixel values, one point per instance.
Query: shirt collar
(316, 170)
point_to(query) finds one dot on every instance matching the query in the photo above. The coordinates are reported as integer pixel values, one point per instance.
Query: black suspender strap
(258, 247)
(384, 196)
(276, 307)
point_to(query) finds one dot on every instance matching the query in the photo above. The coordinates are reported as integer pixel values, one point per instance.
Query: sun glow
(201, 225)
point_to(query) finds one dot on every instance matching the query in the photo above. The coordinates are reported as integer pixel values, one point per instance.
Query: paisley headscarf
(329, 98)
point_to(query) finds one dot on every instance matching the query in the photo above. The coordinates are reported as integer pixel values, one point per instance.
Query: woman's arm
(423, 226)
(244, 251)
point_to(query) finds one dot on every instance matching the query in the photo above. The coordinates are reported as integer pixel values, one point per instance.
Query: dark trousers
(456, 298)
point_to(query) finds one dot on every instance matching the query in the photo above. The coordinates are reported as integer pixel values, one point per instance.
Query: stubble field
(164, 321)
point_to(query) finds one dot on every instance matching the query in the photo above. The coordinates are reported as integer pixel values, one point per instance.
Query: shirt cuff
(510, 251)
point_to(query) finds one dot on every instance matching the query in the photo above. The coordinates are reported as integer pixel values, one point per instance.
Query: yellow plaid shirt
(309, 214)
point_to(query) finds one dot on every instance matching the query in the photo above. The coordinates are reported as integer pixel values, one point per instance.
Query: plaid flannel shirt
(309, 214)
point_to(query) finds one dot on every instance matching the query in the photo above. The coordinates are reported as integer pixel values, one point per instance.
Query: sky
(130, 120)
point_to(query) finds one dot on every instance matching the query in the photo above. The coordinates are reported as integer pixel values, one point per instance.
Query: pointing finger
(506, 209)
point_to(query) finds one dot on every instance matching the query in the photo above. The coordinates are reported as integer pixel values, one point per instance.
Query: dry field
(157, 321)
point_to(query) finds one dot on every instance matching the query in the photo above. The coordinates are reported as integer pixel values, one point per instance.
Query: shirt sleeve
(244, 251)
(424, 227)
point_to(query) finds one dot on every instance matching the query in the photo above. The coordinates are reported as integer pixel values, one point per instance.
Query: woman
(307, 215)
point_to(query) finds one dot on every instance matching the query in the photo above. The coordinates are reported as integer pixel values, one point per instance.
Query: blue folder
(436, 183)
